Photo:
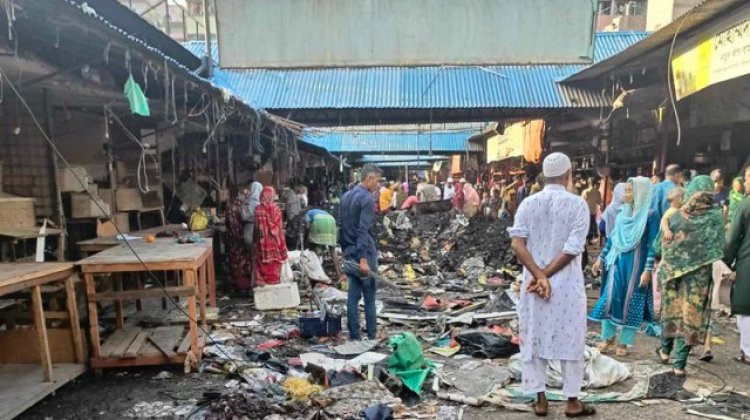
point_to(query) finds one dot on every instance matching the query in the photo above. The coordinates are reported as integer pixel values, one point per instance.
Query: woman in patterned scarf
(270, 250)
(239, 255)
(685, 272)
(627, 262)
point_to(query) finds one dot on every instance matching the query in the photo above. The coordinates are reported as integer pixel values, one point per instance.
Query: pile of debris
(442, 244)
(447, 308)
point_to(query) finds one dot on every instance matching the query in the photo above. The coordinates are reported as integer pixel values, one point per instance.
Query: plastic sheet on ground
(161, 409)
(408, 362)
(329, 363)
(513, 397)
(351, 348)
(486, 344)
(601, 371)
(725, 406)
(476, 379)
(309, 262)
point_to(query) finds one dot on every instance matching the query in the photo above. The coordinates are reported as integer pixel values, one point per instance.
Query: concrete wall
(317, 33)
(662, 12)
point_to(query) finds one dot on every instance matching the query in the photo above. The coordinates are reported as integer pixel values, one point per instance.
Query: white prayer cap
(556, 165)
(462, 180)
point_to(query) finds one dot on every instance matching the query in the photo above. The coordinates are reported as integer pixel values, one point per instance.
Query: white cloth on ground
(743, 324)
(553, 221)
(534, 376)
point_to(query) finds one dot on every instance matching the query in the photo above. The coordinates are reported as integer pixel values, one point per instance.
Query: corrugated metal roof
(529, 86)
(412, 163)
(399, 158)
(392, 142)
(198, 49)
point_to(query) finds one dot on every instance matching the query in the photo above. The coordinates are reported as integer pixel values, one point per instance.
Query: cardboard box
(128, 199)
(276, 296)
(107, 228)
(107, 196)
(16, 211)
(69, 182)
(83, 206)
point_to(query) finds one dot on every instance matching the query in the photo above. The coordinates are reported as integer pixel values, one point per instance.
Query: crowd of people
(669, 241)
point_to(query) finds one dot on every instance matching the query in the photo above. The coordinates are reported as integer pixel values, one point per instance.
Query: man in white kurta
(549, 236)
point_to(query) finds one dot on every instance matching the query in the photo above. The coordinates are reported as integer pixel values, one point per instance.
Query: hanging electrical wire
(125, 241)
(670, 83)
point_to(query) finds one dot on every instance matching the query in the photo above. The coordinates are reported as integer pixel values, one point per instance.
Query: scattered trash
(601, 371)
(164, 375)
(486, 344)
(407, 361)
(300, 389)
(161, 409)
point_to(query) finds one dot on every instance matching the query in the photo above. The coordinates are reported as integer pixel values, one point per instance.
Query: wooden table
(21, 385)
(134, 346)
(92, 246)
(22, 234)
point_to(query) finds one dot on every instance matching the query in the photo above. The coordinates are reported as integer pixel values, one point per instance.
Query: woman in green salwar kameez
(685, 272)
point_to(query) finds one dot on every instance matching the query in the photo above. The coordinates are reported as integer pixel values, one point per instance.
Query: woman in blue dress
(627, 263)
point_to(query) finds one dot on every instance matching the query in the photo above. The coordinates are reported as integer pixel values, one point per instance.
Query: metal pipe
(207, 24)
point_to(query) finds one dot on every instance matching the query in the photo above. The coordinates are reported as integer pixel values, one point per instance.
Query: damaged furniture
(35, 362)
(131, 344)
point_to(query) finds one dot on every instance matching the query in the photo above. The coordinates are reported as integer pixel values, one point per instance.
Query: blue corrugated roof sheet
(198, 49)
(512, 86)
(392, 142)
(399, 158)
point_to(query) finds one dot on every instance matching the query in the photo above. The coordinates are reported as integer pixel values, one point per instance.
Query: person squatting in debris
(320, 227)
(548, 237)
(627, 263)
(696, 240)
(737, 252)
(358, 244)
(270, 250)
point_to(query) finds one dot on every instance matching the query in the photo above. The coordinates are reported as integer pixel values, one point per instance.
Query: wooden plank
(119, 341)
(22, 346)
(202, 292)
(119, 320)
(15, 277)
(41, 329)
(138, 361)
(93, 316)
(135, 346)
(185, 345)
(192, 314)
(75, 322)
(165, 250)
(167, 339)
(156, 292)
(21, 388)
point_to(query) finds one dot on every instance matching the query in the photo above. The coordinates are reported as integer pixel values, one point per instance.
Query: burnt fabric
(239, 255)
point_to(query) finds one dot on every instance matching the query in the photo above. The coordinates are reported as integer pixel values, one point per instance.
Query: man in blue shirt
(357, 242)
(672, 178)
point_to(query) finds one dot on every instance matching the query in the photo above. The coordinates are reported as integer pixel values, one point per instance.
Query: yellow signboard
(499, 148)
(721, 57)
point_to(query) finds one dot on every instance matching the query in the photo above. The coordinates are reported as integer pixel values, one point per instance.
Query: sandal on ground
(680, 373)
(606, 346)
(538, 411)
(586, 410)
(706, 357)
(662, 358)
(622, 351)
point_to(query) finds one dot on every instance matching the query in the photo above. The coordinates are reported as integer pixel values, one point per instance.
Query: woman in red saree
(270, 250)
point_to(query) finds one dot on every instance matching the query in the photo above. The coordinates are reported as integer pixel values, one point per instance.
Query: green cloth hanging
(138, 101)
